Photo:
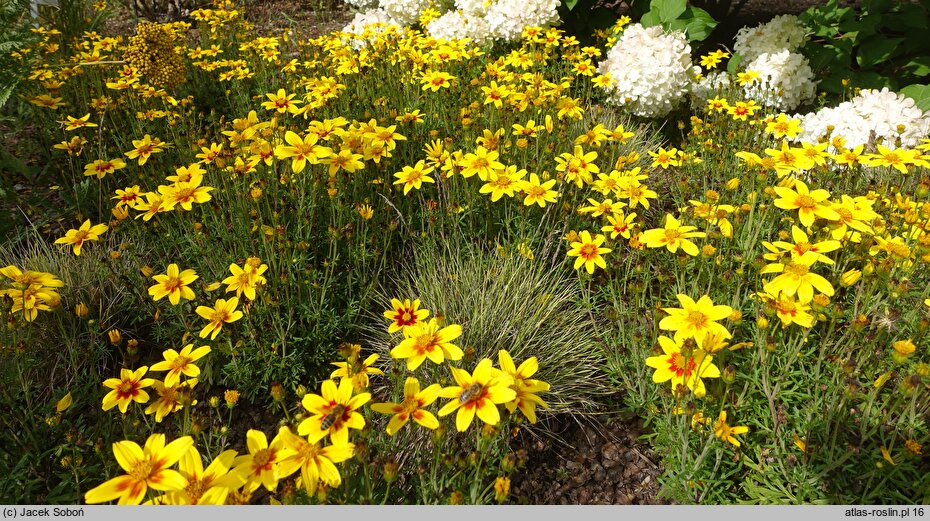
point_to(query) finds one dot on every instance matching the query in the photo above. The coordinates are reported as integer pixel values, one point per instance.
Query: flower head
(413, 406)
(477, 393)
(428, 340)
(86, 232)
(173, 284)
(223, 312)
(127, 389)
(145, 467)
(333, 413)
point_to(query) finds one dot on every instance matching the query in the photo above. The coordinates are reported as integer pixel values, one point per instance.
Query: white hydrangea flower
(872, 111)
(455, 25)
(472, 7)
(363, 4)
(710, 86)
(507, 18)
(651, 69)
(781, 32)
(785, 80)
(404, 12)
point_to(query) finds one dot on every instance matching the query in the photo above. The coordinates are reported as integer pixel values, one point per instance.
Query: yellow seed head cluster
(152, 52)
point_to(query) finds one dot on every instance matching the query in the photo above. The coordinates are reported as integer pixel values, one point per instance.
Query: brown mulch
(591, 462)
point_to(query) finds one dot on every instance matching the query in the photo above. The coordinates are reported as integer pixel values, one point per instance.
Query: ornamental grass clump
(526, 307)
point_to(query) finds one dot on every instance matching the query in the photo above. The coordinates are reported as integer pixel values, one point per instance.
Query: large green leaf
(696, 22)
(650, 19)
(668, 10)
(877, 49)
(920, 94)
(919, 66)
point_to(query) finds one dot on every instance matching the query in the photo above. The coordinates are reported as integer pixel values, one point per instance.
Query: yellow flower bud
(850, 277)
(81, 310)
(115, 337)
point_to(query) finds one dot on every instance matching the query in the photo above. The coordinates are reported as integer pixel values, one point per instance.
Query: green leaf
(668, 10)
(733, 65)
(919, 66)
(696, 22)
(650, 19)
(570, 4)
(920, 94)
(877, 49)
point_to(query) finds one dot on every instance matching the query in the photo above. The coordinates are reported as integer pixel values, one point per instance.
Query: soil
(589, 462)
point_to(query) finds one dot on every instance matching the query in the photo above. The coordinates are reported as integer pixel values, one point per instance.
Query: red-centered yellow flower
(145, 467)
(102, 167)
(696, 319)
(245, 280)
(495, 94)
(689, 371)
(538, 192)
(427, 340)
(435, 80)
(782, 127)
(208, 486)
(726, 433)
(483, 162)
(637, 193)
(790, 311)
(673, 236)
(525, 387)
(796, 278)
(145, 147)
(414, 176)
(180, 363)
(281, 102)
(223, 312)
(315, 463)
(620, 224)
(258, 466)
(171, 399)
(72, 123)
(346, 160)
(802, 245)
(153, 204)
(404, 314)
(588, 252)
(356, 371)
(578, 166)
(477, 394)
(599, 208)
(301, 151)
(333, 413)
(413, 406)
(173, 284)
(742, 109)
(503, 182)
(809, 204)
(788, 159)
(186, 193)
(86, 232)
(127, 389)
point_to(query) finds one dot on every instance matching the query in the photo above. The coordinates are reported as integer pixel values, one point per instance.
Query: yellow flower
(696, 319)
(258, 467)
(724, 432)
(223, 312)
(145, 467)
(796, 278)
(477, 394)
(588, 252)
(86, 232)
(673, 236)
(145, 147)
(180, 363)
(245, 280)
(404, 314)
(301, 151)
(537, 192)
(427, 340)
(171, 398)
(333, 413)
(525, 387)
(208, 486)
(356, 371)
(127, 389)
(315, 463)
(413, 406)
(174, 283)
(782, 127)
(101, 167)
(809, 204)
(281, 102)
(675, 367)
(414, 177)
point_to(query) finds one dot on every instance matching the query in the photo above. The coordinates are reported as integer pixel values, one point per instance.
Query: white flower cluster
(785, 80)
(455, 25)
(404, 12)
(362, 4)
(651, 69)
(507, 18)
(893, 119)
(711, 85)
(780, 33)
